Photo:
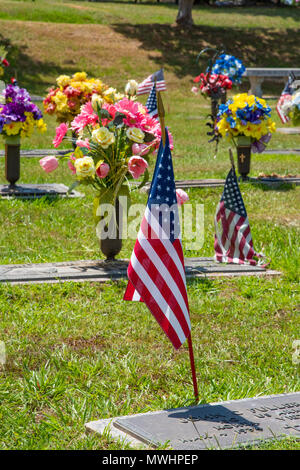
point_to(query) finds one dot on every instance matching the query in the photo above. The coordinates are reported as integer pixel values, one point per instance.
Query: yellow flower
(271, 125)
(96, 101)
(109, 95)
(13, 128)
(61, 101)
(135, 134)
(103, 137)
(41, 125)
(84, 167)
(80, 76)
(63, 80)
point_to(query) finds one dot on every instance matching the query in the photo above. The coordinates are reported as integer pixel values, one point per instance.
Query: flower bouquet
(71, 93)
(113, 146)
(246, 121)
(230, 66)
(290, 106)
(211, 84)
(18, 118)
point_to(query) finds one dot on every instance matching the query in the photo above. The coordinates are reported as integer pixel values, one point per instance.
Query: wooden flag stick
(192, 361)
(231, 158)
(161, 115)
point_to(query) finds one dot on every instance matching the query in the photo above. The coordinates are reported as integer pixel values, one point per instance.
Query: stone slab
(39, 153)
(103, 271)
(275, 182)
(222, 425)
(33, 191)
(270, 72)
(288, 130)
(186, 184)
(282, 151)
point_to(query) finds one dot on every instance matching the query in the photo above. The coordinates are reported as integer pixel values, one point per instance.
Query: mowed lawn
(77, 352)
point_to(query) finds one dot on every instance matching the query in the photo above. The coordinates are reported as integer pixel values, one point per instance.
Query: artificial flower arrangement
(230, 66)
(113, 146)
(211, 84)
(290, 105)
(71, 93)
(246, 115)
(3, 61)
(19, 115)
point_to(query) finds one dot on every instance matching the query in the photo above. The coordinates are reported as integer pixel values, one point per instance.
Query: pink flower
(182, 196)
(83, 143)
(70, 164)
(49, 163)
(137, 166)
(140, 149)
(61, 131)
(102, 170)
(195, 90)
(87, 116)
(132, 111)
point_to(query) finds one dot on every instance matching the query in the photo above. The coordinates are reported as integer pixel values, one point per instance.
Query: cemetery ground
(77, 352)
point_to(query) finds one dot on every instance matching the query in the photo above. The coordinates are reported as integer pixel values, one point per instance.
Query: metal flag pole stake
(192, 361)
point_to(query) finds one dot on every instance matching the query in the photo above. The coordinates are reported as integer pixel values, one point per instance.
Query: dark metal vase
(244, 156)
(12, 160)
(111, 245)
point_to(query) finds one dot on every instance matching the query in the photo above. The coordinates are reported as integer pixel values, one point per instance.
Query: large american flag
(233, 240)
(146, 86)
(286, 94)
(156, 270)
(151, 104)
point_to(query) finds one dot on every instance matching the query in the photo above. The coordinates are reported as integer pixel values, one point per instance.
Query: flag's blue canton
(159, 75)
(151, 104)
(232, 197)
(163, 193)
(288, 89)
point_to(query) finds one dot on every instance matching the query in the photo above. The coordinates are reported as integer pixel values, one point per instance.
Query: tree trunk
(184, 16)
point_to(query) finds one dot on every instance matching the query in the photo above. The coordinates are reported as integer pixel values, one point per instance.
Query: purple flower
(18, 102)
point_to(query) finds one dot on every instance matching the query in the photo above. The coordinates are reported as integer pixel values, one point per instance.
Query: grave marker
(216, 425)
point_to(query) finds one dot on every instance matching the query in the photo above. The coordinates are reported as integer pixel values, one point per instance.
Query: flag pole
(231, 159)
(192, 361)
(161, 115)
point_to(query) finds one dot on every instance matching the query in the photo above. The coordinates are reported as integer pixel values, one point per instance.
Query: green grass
(75, 351)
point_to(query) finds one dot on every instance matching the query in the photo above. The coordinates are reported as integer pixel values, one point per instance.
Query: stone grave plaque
(30, 191)
(220, 425)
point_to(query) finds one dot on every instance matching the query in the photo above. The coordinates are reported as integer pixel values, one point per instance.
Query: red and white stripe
(283, 117)
(233, 242)
(157, 278)
(146, 86)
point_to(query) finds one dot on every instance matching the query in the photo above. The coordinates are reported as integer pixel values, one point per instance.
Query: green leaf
(73, 186)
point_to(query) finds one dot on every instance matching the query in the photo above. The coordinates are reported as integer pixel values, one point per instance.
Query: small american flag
(286, 94)
(156, 270)
(233, 240)
(151, 104)
(146, 85)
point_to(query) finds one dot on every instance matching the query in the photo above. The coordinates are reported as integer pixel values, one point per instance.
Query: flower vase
(214, 107)
(12, 159)
(244, 156)
(110, 234)
(223, 96)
